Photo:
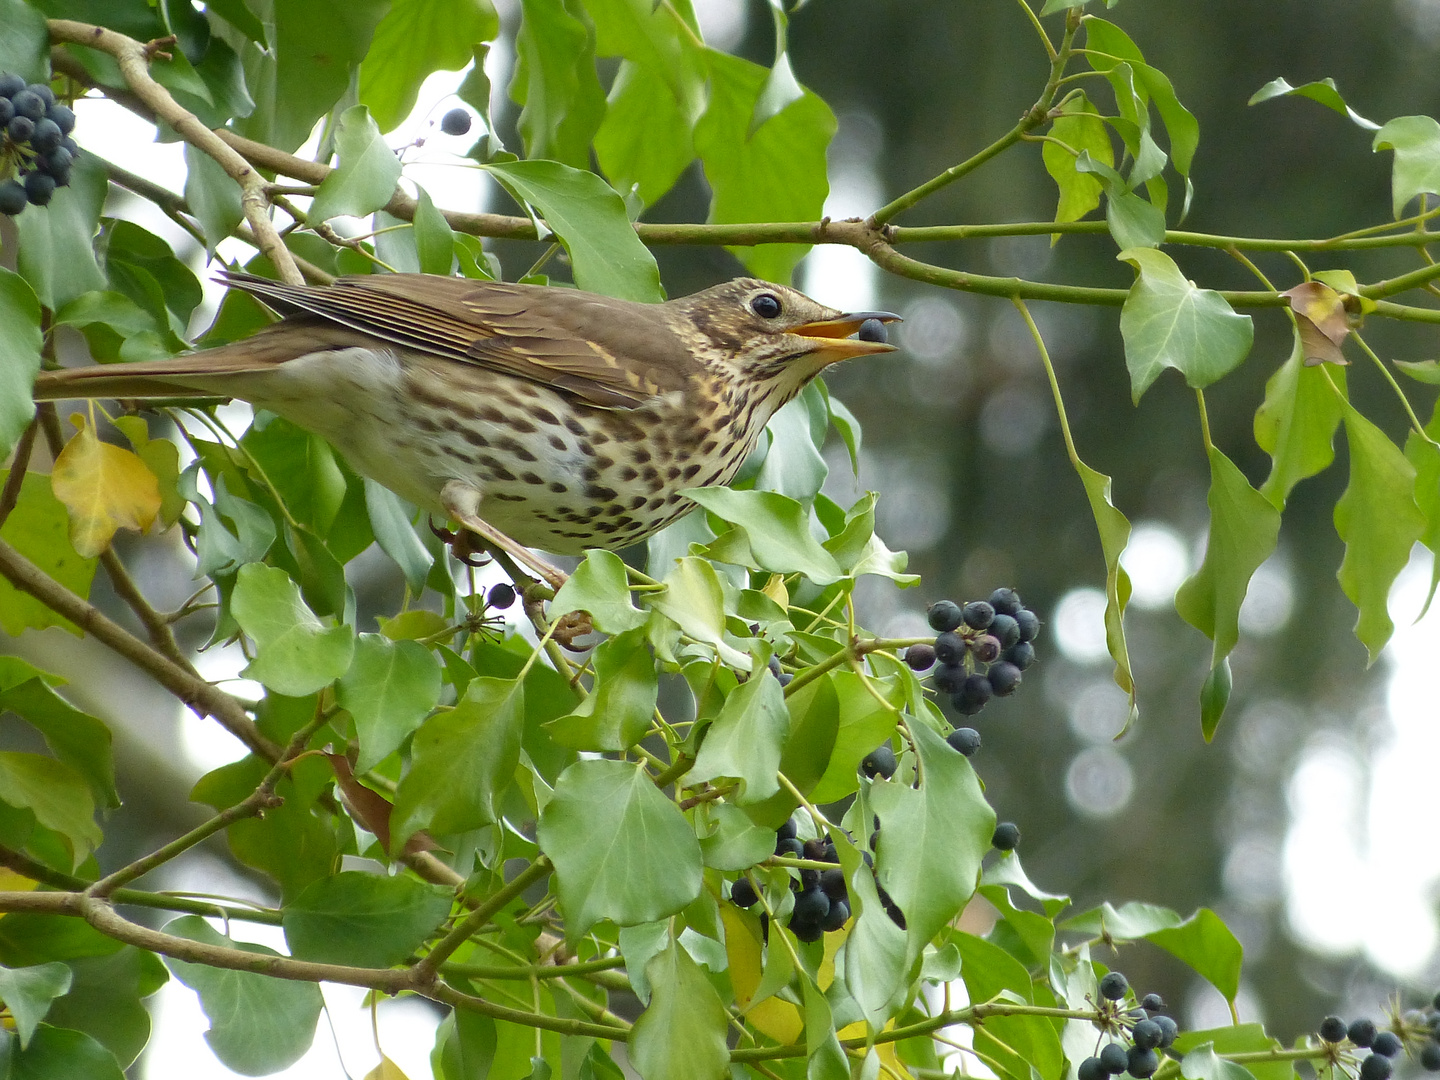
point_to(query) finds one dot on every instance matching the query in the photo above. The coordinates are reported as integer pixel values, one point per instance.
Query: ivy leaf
(1296, 424)
(1379, 521)
(56, 794)
(37, 528)
(599, 585)
(390, 688)
(1207, 945)
(1203, 1063)
(1324, 91)
(105, 488)
(463, 759)
(56, 1052)
(1416, 142)
(556, 84)
(681, 1036)
(258, 1025)
(645, 142)
(942, 830)
(25, 42)
(1244, 528)
(434, 239)
(746, 739)
(775, 529)
(694, 602)
(989, 971)
(589, 219)
(76, 738)
(366, 920)
(295, 653)
(1114, 529)
(1425, 456)
(1234, 1039)
(19, 357)
(1079, 127)
(56, 252)
(414, 39)
(28, 991)
(1168, 322)
(365, 179)
(618, 711)
(390, 521)
(622, 850)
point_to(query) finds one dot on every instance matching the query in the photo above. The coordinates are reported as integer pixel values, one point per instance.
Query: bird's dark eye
(766, 305)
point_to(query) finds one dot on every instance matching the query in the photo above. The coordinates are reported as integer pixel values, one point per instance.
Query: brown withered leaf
(371, 809)
(1321, 317)
(104, 488)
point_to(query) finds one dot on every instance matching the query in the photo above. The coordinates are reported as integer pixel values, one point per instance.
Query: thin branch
(10, 495)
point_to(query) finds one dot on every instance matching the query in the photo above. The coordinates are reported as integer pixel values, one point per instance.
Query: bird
(535, 414)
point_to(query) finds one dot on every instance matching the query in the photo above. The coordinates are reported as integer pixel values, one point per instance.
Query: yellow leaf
(777, 1018)
(775, 590)
(104, 488)
(386, 1070)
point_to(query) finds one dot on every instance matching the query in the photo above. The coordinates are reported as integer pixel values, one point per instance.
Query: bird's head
(754, 332)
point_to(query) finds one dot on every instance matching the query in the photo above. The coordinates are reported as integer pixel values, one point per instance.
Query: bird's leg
(462, 502)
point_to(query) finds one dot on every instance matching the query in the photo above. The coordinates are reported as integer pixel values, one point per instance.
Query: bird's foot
(462, 502)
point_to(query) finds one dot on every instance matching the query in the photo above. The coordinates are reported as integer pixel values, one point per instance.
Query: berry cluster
(1418, 1026)
(36, 148)
(822, 902)
(1145, 1026)
(981, 649)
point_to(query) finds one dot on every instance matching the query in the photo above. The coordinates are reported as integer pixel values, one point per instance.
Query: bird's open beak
(837, 344)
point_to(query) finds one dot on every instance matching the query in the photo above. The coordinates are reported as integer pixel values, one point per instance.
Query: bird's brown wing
(606, 352)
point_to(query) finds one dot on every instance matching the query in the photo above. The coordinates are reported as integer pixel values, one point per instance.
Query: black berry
(948, 678)
(1114, 1058)
(455, 122)
(1142, 1063)
(1005, 601)
(57, 164)
(1332, 1029)
(20, 128)
(879, 762)
(774, 666)
(1021, 654)
(1006, 629)
(12, 197)
(63, 116)
(500, 596)
(949, 647)
(832, 883)
(1004, 677)
(7, 110)
(1430, 1056)
(986, 648)
(1435, 1001)
(1029, 624)
(1386, 1043)
(977, 614)
(43, 92)
(920, 657)
(1376, 1067)
(46, 136)
(39, 187)
(964, 739)
(872, 330)
(1091, 1069)
(28, 104)
(786, 831)
(1114, 985)
(1146, 1034)
(1007, 836)
(1152, 1003)
(1361, 1032)
(10, 85)
(790, 848)
(973, 695)
(1169, 1030)
(944, 615)
(743, 894)
(838, 915)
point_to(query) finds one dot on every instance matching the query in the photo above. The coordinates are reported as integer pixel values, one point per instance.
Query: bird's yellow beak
(835, 342)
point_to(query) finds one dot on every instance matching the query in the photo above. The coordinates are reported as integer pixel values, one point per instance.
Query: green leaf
(622, 850)
(681, 1036)
(56, 251)
(1379, 521)
(258, 1025)
(1425, 371)
(1203, 1063)
(775, 174)
(301, 467)
(28, 991)
(314, 47)
(55, 1053)
(24, 41)
(76, 738)
(1296, 423)
(1324, 91)
(434, 239)
(1238, 1039)
(366, 920)
(463, 759)
(618, 711)
(214, 197)
(295, 654)
(556, 84)
(390, 520)
(793, 464)
(1125, 923)
(1168, 322)
(1206, 944)
(746, 739)
(1080, 128)
(694, 601)
(774, 529)
(644, 143)
(1136, 225)
(729, 840)
(105, 999)
(864, 724)
(1214, 697)
(38, 528)
(1019, 1043)
(1244, 528)
(365, 179)
(144, 267)
(1425, 456)
(589, 220)
(827, 1059)
(1416, 142)
(941, 831)
(390, 688)
(56, 794)
(599, 585)
(415, 38)
(1114, 530)
(19, 357)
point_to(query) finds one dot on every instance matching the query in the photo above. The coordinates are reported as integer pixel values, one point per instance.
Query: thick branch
(134, 61)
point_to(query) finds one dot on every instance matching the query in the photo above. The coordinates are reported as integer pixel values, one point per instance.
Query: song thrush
(563, 419)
